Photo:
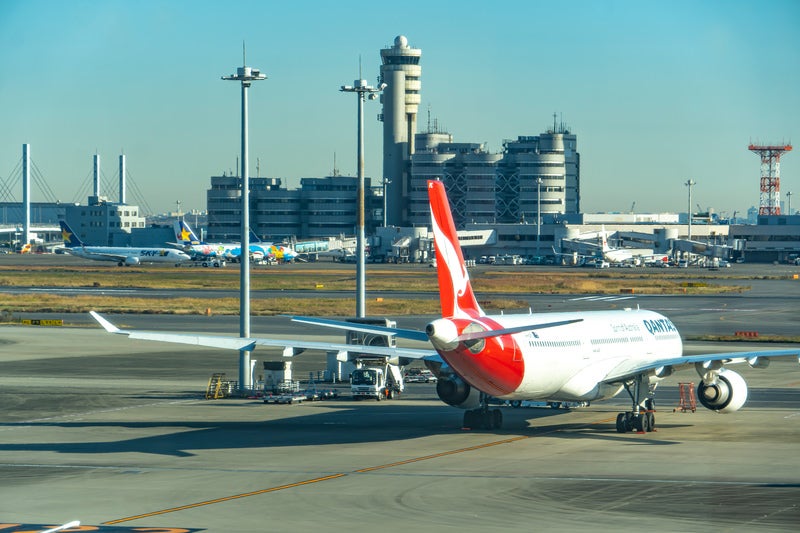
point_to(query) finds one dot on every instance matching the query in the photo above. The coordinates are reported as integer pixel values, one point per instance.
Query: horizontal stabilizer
(474, 335)
(411, 334)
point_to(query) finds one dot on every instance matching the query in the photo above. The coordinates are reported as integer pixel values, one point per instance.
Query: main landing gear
(642, 418)
(483, 417)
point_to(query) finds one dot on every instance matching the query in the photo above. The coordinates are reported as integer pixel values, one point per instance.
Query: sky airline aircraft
(121, 255)
(560, 357)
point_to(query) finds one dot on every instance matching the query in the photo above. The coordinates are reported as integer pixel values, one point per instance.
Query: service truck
(376, 379)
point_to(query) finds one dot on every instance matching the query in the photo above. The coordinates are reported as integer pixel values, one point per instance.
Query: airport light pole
(387, 181)
(538, 215)
(690, 183)
(246, 75)
(361, 89)
(789, 203)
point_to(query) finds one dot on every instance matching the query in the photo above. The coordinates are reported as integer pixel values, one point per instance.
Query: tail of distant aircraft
(68, 236)
(604, 239)
(184, 234)
(455, 290)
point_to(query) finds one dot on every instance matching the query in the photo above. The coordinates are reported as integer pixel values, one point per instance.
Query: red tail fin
(455, 290)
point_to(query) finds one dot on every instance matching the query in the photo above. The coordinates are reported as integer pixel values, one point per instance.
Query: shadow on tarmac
(339, 424)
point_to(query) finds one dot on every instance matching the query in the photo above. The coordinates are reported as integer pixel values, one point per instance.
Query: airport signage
(38, 322)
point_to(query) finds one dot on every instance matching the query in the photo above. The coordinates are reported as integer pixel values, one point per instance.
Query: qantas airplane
(189, 242)
(560, 357)
(123, 256)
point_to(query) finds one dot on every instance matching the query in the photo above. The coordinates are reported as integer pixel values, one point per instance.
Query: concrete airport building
(401, 72)
(321, 207)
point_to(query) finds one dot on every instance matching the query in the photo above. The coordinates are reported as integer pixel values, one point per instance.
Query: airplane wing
(107, 256)
(629, 369)
(290, 347)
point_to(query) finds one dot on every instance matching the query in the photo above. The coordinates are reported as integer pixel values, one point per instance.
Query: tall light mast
(689, 183)
(770, 197)
(246, 75)
(361, 89)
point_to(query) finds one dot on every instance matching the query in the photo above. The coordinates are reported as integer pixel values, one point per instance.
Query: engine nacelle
(131, 261)
(454, 391)
(727, 395)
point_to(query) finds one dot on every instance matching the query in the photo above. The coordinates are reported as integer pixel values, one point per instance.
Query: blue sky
(657, 92)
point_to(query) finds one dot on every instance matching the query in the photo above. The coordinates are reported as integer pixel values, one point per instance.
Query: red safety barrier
(746, 334)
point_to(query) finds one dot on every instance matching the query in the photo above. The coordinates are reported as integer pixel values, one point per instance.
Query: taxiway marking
(315, 480)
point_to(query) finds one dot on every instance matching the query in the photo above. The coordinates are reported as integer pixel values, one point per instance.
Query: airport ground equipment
(688, 401)
(377, 379)
(218, 387)
(213, 262)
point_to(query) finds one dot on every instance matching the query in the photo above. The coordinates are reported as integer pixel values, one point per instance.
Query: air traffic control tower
(400, 71)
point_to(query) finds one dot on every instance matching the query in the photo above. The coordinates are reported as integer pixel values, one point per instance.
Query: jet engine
(454, 391)
(131, 261)
(725, 395)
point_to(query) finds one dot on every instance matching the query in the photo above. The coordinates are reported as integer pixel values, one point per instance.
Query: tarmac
(117, 434)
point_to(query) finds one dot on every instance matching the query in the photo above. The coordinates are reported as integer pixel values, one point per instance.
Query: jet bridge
(718, 251)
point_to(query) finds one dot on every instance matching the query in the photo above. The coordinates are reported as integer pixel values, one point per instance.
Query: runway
(115, 433)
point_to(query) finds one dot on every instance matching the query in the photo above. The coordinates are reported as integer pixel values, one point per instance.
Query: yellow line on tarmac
(225, 499)
(315, 480)
(442, 454)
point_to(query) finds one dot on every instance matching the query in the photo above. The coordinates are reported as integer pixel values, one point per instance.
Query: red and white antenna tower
(770, 199)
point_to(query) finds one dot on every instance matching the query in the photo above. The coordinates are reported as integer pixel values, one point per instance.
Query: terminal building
(535, 177)
(321, 207)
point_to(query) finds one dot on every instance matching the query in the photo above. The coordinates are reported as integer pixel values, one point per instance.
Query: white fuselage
(570, 362)
(129, 255)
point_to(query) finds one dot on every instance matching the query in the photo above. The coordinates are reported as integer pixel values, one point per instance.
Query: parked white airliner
(121, 255)
(583, 356)
(621, 255)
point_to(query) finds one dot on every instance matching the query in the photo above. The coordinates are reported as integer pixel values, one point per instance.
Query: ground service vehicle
(376, 379)
(418, 375)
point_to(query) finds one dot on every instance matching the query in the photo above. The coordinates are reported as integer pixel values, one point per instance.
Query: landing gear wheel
(629, 421)
(516, 403)
(622, 425)
(497, 419)
(641, 423)
(470, 419)
(651, 421)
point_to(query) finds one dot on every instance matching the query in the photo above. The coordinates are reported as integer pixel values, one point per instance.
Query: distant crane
(633, 206)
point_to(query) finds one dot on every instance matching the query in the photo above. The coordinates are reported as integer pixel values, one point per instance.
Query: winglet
(108, 326)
